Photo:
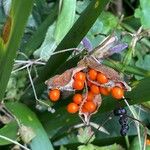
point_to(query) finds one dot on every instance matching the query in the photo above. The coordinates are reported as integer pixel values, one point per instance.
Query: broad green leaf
(135, 145)
(143, 13)
(127, 69)
(56, 32)
(93, 147)
(48, 46)
(29, 119)
(15, 23)
(65, 19)
(105, 23)
(37, 38)
(10, 131)
(143, 63)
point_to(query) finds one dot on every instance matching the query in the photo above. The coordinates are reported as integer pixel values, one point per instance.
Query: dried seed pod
(85, 116)
(63, 81)
(113, 76)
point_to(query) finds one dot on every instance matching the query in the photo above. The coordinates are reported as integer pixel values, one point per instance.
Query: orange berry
(92, 74)
(90, 106)
(89, 83)
(104, 90)
(78, 85)
(148, 142)
(77, 98)
(84, 110)
(72, 108)
(90, 96)
(95, 89)
(80, 76)
(117, 92)
(101, 78)
(54, 95)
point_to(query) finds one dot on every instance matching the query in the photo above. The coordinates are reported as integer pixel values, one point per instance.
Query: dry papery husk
(114, 77)
(65, 80)
(85, 116)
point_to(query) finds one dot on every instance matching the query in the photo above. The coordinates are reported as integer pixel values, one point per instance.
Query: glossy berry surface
(117, 92)
(90, 96)
(95, 89)
(101, 78)
(123, 120)
(54, 95)
(72, 108)
(124, 130)
(92, 74)
(80, 76)
(77, 98)
(78, 85)
(90, 106)
(105, 91)
(120, 111)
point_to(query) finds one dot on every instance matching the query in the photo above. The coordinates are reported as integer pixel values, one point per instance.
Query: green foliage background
(39, 28)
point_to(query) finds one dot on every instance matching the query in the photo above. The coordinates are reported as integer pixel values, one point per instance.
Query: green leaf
(143, 13)
(37, 38)
(135, 145)
(48, 46)
(56, 32)
(29, 119)
(10, 131)
(93, 147)
(65, 19)
(127, 69)
(15, 23)
(144, 63)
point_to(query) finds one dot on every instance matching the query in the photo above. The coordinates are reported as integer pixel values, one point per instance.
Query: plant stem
(12, 141)
(127, 141)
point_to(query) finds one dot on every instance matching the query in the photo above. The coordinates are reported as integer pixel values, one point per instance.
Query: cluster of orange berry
(90, 77)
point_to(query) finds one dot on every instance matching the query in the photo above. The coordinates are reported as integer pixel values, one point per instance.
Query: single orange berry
(101, 78)
(148, 142)
(77, 98)
(117, 92)
(72, 108)
(95, 89)
(84, 110)
(104, 90)
(78, 85)
(92, 74)
(90, 106)
(90, 96)
(54, 95)
(80, 76)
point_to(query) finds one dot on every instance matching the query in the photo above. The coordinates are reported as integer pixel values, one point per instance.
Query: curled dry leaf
(63, 81)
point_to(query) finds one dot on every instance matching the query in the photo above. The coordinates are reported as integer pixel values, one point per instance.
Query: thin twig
(12, 141)
(137, 124)
(108, 118)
